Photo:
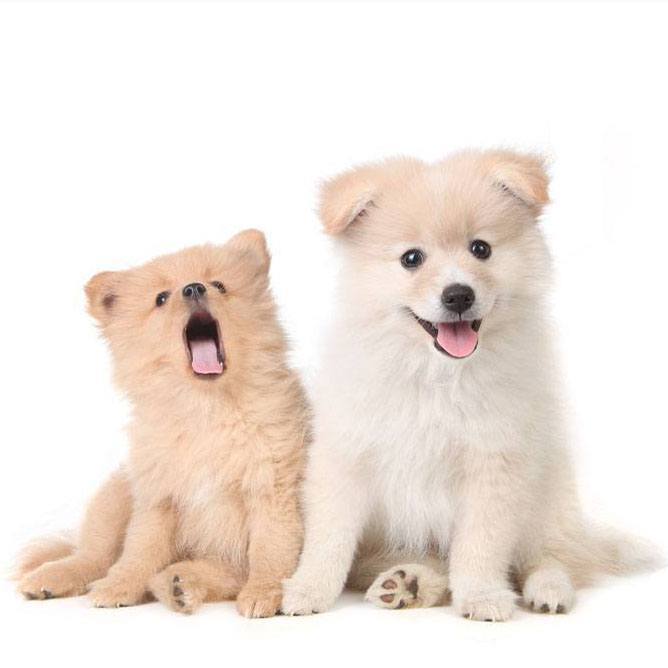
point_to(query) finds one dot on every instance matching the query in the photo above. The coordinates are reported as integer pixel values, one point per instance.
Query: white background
(130, 130)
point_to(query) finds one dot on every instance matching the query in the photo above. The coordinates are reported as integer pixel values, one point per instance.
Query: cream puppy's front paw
(111, 592)
(549, 591)
(302, 598)
(485, 604)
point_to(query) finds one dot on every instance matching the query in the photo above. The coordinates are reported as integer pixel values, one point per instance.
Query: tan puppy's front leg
(149, 547)
(275, 542)
(100, 542)
(485, 537)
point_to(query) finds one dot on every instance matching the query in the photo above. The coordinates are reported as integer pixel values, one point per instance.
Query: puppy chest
(212, 500)
(213, 525)
(413, 468)
(413, 507)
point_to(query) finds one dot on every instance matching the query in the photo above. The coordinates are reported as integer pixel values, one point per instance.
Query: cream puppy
(439, 438)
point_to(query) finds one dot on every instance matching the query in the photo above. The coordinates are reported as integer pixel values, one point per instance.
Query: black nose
(458, 298)
(194, 291)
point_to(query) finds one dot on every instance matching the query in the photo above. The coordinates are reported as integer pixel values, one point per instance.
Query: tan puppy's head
(443, 255)
(197, 316)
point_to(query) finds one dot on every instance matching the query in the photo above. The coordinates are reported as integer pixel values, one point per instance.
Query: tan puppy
(206, 507)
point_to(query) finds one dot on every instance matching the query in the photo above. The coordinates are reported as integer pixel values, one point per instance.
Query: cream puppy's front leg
(485, 536)
(335, 507)
(149, 547)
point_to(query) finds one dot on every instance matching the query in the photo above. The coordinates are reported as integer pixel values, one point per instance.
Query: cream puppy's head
(199, 317)
(445, 256)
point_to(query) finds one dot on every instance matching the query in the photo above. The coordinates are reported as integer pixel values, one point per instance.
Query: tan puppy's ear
(347, 197)
(251, 247)
(103, 294)
(523, 175)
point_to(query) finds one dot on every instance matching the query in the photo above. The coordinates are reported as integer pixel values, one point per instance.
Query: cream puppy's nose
(458, 298)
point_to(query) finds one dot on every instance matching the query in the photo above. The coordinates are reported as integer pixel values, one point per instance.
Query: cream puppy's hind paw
(549, 591)
(486, 605)
(408, 586)
(302, 599)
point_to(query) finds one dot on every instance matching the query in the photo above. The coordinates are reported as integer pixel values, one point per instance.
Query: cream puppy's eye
(219, 286)
(481, 249)
(161, 298)
(412, 258)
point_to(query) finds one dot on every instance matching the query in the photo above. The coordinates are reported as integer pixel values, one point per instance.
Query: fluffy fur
(458, 468)
(206, 506)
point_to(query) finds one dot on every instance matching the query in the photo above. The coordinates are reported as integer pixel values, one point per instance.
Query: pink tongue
(205, 356)
(457, 338)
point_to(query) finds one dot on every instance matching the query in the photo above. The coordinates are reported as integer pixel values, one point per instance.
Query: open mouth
(457, 339)
(202, 339)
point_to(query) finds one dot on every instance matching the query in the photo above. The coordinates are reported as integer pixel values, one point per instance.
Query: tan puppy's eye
(161, 298)
(412, 258)
(219, 286)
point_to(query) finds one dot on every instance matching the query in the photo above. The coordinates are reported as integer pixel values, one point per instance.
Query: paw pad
(401, 592)
(177, 592)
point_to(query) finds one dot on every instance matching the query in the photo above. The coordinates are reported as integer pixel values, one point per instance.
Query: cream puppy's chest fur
(411, 449)
(410, 444)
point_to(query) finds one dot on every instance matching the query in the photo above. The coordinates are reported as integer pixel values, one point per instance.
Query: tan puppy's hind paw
(54, 579)
(178, 590)
(111, 592)
(259, 602)
(408, 586)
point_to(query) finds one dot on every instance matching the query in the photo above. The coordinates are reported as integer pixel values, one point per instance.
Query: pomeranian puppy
(206, 507)
(439, 452)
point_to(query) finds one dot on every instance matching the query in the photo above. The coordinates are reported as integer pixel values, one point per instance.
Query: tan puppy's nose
(194, 291)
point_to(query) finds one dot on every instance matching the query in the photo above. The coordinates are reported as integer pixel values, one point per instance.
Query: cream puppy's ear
(251, 248)
(103, 292)
(523, 175)
(346, 198)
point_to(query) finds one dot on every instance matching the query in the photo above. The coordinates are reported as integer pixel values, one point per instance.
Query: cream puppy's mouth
(204, 345)
(457, 339)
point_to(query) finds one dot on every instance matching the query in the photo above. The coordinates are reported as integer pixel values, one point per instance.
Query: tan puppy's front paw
(256, 601)
(486, 605)
(53, 580)
(112, 592)
(178, 590)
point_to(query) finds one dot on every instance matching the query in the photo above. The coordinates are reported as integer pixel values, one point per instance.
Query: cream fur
(206, 507)
(418, 455)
